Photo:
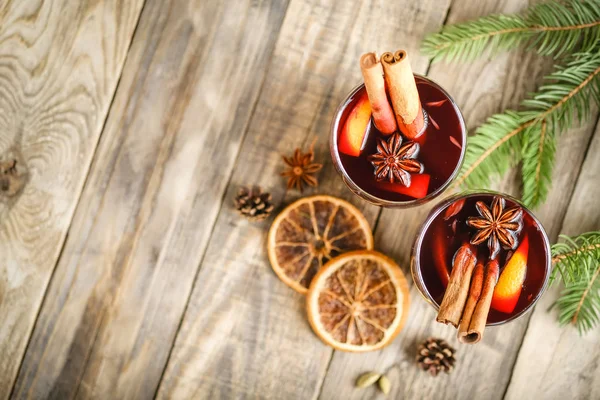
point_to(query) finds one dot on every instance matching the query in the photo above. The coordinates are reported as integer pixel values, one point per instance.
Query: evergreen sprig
(552, 28)
(577, 264)
(530, 135)
(568, 94)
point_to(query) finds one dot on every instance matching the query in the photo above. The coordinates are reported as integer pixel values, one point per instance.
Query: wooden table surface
(126, 273)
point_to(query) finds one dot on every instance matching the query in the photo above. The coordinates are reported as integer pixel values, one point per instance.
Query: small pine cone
(253, 203)
(436, 355)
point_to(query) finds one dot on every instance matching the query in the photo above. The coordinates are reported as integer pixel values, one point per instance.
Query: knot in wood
(11, 181)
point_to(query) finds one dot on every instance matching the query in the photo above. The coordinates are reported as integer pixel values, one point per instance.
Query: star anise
(301, 169)
(498, 226)
(394, 161)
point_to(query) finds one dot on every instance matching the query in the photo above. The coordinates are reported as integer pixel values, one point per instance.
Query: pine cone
(253, 203)
(436, 355)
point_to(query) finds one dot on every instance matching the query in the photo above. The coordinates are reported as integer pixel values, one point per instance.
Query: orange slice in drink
(358, 301)
(355, 129)
(509, 286)
(309, 232)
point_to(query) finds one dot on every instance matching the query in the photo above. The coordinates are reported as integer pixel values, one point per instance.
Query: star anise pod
(301, 169)
(498, 226)
(394, 161)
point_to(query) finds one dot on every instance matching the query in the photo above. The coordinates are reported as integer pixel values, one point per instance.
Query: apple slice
(419, 183)
(355, 127)
(509, 286)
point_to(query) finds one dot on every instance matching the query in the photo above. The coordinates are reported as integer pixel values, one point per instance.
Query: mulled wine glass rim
(435, 212)
(356, 189)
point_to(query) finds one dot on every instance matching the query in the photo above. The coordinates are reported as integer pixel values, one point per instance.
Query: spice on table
(301, 169)
(435, 356)
(253, 203)
(384, 384)
(367, 379)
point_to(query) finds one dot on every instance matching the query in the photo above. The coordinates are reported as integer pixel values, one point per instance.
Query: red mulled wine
(440, 147)
(463, 220)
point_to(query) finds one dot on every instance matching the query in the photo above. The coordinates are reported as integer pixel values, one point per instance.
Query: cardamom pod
(384, 384)
(367, 379)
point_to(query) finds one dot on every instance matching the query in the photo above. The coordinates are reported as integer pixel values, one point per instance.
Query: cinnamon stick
(482, 309)
(457, 291)
(474, 294)
(403, 93)
(383, 115)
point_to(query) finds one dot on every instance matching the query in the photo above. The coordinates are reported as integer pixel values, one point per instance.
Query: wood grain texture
(556, 362)
(161, 288)
(480, 88)
(188, 88)
(245, 333)
(60, 62)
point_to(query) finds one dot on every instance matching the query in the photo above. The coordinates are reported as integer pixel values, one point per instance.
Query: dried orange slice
(358, 301)
(309, 232)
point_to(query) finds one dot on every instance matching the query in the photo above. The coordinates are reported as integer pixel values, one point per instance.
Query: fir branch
(552, 28)
(469, 40)
(538, 161)
(505, 139)
(493, 150)
(577, 262)
(567, 254)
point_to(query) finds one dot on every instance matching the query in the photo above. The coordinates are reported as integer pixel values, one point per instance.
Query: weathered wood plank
(555, 362)
(245, 333)
(481, 88)
(60, 62)
(188, 88)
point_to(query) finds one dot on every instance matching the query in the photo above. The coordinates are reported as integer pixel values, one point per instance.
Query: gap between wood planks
(307, 140)
(222, 202)
(78, 197)
(562, 224)
(376, 223)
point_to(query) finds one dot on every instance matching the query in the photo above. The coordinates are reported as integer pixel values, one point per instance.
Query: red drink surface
(455, 233)
(438, 153)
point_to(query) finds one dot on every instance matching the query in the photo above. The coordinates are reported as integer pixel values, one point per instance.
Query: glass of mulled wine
(439, 149)
(495, 226)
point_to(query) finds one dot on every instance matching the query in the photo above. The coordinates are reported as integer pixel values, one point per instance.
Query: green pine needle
(538, 159)
(577, 263)
(552, 28)
(530, 135)
(493, 150)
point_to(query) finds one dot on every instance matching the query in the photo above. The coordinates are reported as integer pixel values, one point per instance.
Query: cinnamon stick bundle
(476, 322)
(474, 294)
(403, 93)
(455, 297)
(383, 115)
